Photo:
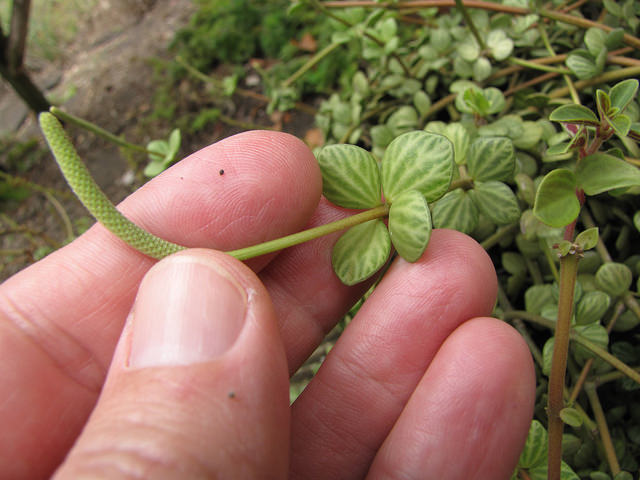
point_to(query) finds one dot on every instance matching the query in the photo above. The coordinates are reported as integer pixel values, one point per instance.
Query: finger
(198, 387)
(469, 416)
(60, 319)
(344, 415)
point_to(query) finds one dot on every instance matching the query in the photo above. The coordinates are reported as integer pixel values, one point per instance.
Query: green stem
(310, 234)
(538, 66)
(469, 21)
(607, 77)
(576, 337)
(568, 274)
(567, 79)
(603, 429)
(311, 63)
(498, 235)
(101, 132)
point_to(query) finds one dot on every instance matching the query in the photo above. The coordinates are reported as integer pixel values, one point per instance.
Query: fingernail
(188, 310)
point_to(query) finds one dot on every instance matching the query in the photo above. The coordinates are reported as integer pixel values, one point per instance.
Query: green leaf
(496, 99)
(582, 64)
(615, 39)
(571, 417)
(422, 102)
(574, 114)
(537, 296)
(612, 7)
(636, 220)
(530, 137)
(540, 472)
(420, 161)
(496, 201)
(547, 355)
(587, 239)
(174, 142)
(621, 124)
(469, 49)
(460, 139)
(154, 168)
(556, 202)
(350, 176)
(361, 252)
(595, 39)
(476, 101)
(481, 69)
(593, 332)
(603, 103)
(158, 149)
(591, 307)
(500, 45)
(491, 158)
(403, 120)
(410, 225)
(535, 448)
(623, 93)
(601, 172)
(456, 211)
(614, 278)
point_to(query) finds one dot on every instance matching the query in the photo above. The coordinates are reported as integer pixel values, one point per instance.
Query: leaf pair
(490, 162)
(417, 168)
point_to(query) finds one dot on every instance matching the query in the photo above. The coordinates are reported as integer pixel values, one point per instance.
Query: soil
(109, 67)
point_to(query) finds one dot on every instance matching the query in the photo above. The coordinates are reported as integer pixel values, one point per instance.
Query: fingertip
(470, 414)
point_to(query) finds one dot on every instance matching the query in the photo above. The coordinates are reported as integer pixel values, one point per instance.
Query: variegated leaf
(361, 251)
(410, 225)
(497, 201)
(350, 176)
(420, 161)
(456, 211)
(491, 158)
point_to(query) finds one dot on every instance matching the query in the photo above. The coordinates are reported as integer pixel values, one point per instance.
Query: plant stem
(603, 429)
(311, 63)
(310, 234)
(568, 274)
(538, 66)
(101, 132)
(469, 21)
(498, 235)
(606, 77)
(576, 337)
(589, 363)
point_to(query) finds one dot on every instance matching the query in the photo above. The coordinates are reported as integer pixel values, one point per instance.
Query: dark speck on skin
(231, 394)
(221, 172)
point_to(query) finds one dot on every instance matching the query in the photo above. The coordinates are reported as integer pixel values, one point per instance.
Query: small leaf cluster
(162, 153)
(595, 172)
(416, 169)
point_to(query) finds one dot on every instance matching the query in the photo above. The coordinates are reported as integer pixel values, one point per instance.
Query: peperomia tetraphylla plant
(417, 168)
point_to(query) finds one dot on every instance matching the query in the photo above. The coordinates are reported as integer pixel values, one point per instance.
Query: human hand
(418, 386)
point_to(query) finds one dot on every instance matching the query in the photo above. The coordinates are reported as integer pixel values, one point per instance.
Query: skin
(420, 385)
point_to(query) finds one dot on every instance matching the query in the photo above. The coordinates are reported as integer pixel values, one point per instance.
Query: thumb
(198, 385)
